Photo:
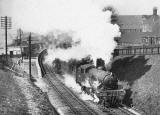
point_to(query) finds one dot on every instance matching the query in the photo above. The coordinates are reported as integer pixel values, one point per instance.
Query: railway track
(121, 111)
(76, 105)
(127, 111)
(72, 104)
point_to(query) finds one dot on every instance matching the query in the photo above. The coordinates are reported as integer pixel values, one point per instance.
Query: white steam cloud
(84, 18)
(70, 82)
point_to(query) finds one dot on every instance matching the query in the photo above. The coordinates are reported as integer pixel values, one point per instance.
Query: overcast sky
(134, 6)
(123, 7)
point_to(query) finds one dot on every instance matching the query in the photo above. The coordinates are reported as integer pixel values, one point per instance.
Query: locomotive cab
(82, 72)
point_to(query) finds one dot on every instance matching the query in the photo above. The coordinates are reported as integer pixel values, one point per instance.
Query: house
(12, 50)
(22, 45)
(139, 29)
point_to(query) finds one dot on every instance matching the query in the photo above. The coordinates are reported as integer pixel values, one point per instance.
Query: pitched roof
(137, 21)
(130, 21)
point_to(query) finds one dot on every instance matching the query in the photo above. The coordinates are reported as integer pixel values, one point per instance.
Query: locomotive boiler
(103, 83)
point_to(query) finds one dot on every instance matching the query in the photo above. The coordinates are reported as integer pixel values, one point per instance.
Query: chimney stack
(155, 11)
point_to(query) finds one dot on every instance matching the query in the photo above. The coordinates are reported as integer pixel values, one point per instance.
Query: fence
(15, 67)
(138, 50)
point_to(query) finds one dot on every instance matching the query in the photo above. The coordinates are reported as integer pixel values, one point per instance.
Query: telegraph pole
(30, 55)
(6, 24)
(20, 37)
(6, 36)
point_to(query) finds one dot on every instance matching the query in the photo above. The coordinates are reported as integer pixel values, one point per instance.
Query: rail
(77, 106)
(129, 110)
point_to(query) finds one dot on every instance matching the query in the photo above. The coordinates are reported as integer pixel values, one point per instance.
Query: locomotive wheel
(114, 101)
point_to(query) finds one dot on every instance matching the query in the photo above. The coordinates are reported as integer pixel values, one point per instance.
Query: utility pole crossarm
(6, 24)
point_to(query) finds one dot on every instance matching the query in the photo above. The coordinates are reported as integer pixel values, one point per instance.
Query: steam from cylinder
(70, 82)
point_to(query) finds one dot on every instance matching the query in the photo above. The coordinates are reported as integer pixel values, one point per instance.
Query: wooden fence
(137, 50)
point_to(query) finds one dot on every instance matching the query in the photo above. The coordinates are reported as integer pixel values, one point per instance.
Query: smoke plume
(85, 19)
(70, 82)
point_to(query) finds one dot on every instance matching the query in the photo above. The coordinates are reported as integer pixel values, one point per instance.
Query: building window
(131, 30)
(151, 40)
(147, 28)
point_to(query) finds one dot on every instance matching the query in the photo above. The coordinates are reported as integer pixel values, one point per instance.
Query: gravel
(37, 101)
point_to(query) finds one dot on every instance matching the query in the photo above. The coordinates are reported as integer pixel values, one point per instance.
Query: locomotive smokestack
(100, 64)
(155, 11)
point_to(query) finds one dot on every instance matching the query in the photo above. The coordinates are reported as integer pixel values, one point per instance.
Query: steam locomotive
(95, 80)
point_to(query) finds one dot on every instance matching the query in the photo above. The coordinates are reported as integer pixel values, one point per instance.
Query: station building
(138, 30)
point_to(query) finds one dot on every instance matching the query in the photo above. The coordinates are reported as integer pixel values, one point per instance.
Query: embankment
(142, 73)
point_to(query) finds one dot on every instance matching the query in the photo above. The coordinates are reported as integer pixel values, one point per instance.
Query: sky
(123, 7)
(134, 7)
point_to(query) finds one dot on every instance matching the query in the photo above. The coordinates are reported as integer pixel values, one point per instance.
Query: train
(102, 83)
(95, 80)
